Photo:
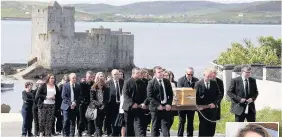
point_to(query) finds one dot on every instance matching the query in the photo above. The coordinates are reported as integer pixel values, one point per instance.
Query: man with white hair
(70, 103)
(207, 93)
(115, 85)
(220, 86)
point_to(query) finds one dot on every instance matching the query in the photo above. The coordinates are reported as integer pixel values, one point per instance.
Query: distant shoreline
(29, 19)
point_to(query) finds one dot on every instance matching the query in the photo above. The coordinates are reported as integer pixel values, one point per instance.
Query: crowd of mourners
(111, 105)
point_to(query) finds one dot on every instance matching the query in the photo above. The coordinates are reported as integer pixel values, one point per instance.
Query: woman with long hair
(28, 99)
(47, 97)
(99, 97)
(253, 130)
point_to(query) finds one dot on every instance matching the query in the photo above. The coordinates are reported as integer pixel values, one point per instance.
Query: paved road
(11, 126)
(13, 129)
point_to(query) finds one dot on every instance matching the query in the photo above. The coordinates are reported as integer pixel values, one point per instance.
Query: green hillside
(162, 11)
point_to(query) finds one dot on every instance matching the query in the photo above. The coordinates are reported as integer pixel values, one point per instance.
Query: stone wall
(273, 73)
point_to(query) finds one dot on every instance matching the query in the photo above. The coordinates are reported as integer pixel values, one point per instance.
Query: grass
(264, 115)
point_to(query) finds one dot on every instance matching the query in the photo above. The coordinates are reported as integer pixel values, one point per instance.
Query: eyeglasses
(189, 74)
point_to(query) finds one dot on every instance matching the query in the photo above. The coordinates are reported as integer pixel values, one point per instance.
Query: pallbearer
(219, 83)
(207, 93)
(186, 81)
(159, 93)
(134, 92)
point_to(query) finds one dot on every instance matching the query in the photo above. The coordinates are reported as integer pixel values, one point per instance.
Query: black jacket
(236, 92)
(94, 103)
(206, 96)
(154, 93)
(41, 96)
(221, 89)
(85, 92)
(134, 91)
(183, 82)
(28, 99)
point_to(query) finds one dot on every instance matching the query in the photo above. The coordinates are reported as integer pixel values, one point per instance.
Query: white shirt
(120, 105)
(50, 93)
(245, 84)
(165, 97)
(72, 92)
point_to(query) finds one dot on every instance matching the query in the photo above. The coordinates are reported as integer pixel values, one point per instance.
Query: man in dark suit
(186, 81)
(115, 85)
(134, 92)
(84, 102)
(207, 93)
(243, 92)
(70, 103)
(160, 95)
(220, 85)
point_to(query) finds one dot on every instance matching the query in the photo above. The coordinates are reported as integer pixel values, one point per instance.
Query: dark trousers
(36, 121)
(27, 121)
(207, 128)
(251, 117)
(82, 120)
(69, 121)
(111, 115)
(160, 119)
(99, 122)
(58, 123)
(46, 119)
(182, 120)
(135, 122)
(91, 127)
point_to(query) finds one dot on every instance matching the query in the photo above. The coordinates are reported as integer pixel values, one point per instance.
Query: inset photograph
(252, 129)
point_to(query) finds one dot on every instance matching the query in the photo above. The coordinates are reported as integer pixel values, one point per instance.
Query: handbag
(91, 113)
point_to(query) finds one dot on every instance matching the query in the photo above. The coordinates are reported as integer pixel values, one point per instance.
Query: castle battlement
(56, 44)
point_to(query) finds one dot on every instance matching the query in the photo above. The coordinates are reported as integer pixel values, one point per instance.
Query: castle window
(38, 10)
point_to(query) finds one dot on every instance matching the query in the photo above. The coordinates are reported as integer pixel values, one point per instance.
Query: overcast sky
(123, 2)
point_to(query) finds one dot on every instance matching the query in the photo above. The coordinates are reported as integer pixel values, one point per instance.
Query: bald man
(70, 103)
(207, 93)
(115, 85)
(187, 81)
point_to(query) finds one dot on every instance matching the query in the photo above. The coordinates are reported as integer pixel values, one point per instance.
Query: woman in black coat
(47, 97)
(28, 98)
(99, 98)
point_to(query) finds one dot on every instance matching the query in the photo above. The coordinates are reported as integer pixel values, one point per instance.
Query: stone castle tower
(56, 45)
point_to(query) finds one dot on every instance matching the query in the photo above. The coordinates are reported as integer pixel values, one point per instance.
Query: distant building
(56, 45)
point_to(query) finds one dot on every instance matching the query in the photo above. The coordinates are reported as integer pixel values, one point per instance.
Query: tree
(273, 43)
(265, 54)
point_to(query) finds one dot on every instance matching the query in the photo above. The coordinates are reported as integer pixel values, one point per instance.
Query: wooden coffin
(184, 97)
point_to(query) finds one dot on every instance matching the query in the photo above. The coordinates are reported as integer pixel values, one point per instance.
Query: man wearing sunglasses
(187, 81)
(243, 92)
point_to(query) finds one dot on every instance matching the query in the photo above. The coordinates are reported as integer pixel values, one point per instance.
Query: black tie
(118, 89)
(162, 90)
(246, 87)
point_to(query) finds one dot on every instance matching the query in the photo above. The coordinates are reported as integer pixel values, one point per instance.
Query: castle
(56, 45)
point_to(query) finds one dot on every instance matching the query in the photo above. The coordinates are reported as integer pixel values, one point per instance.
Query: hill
(164, 11)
